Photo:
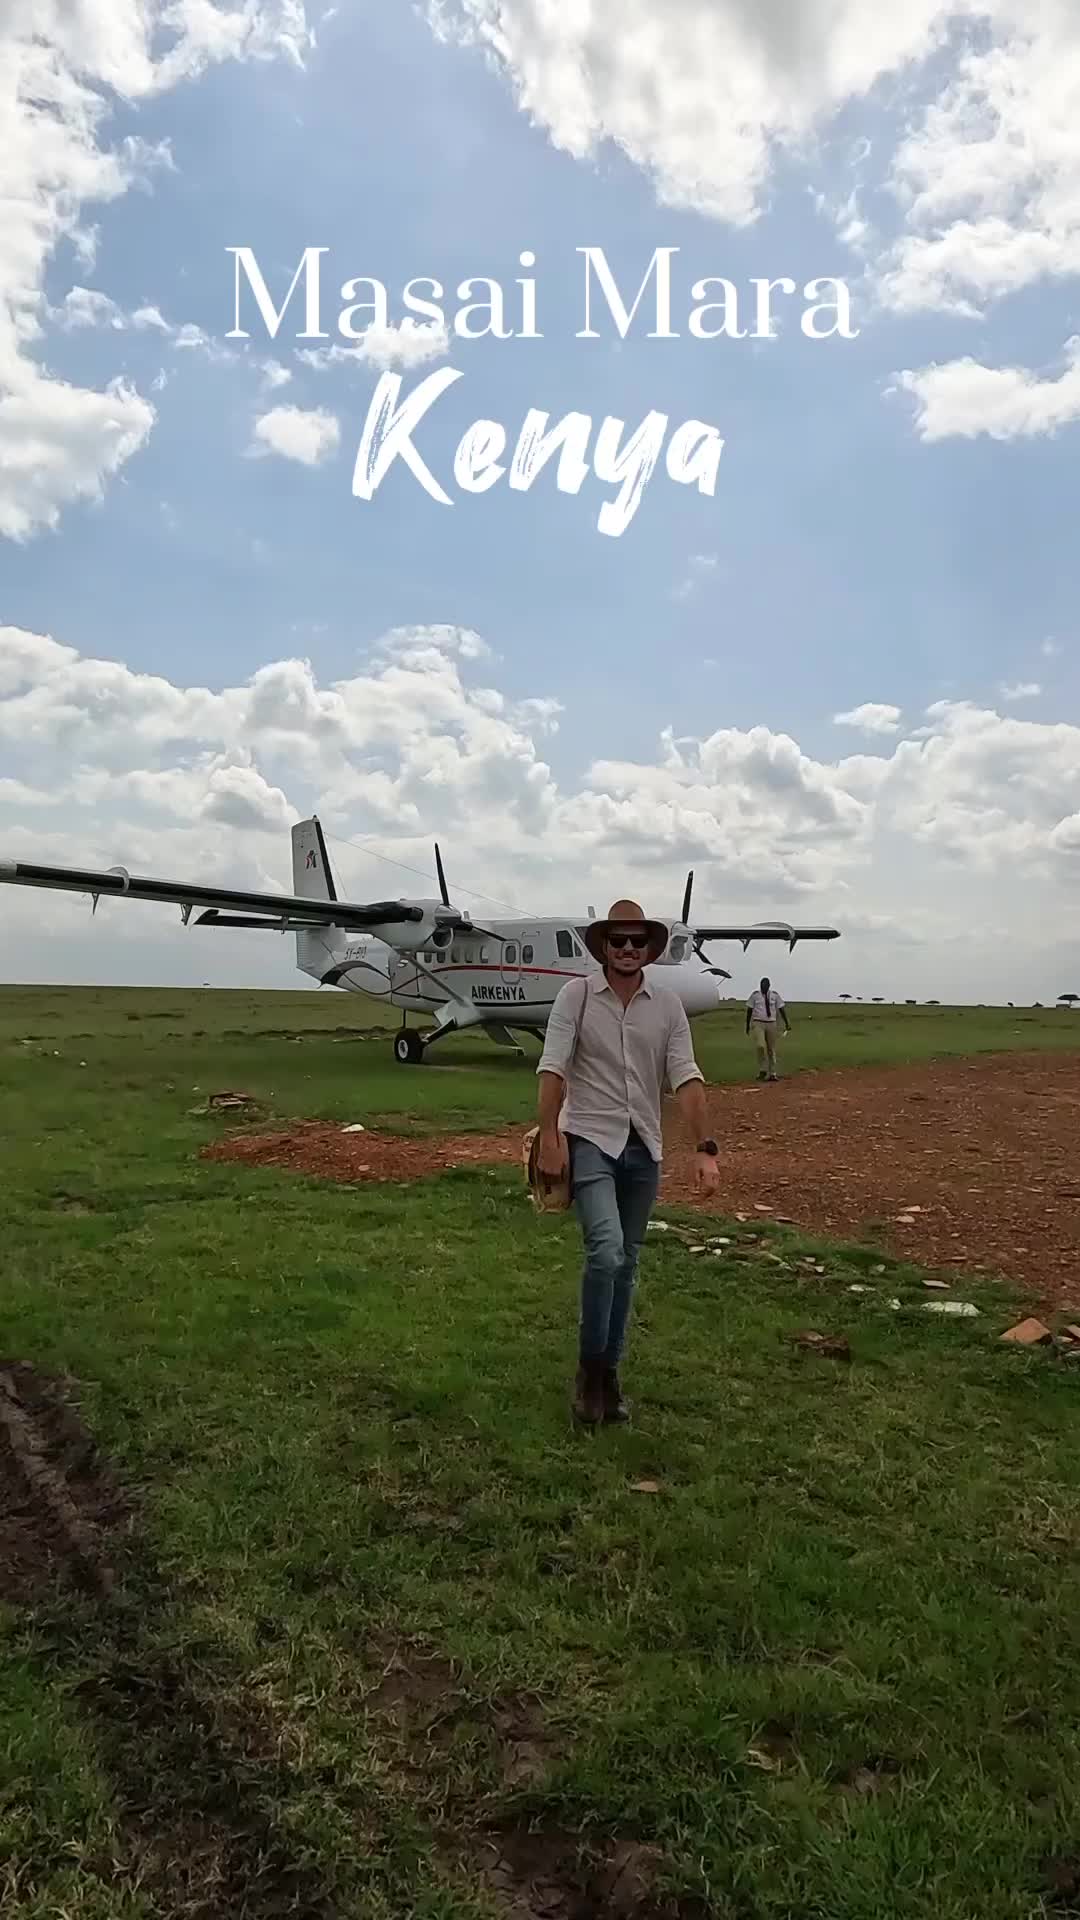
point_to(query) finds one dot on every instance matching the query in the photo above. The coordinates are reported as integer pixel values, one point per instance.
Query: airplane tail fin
(313, 879)
(313, 876)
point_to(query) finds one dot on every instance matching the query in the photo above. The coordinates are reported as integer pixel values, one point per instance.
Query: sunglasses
(639, 941)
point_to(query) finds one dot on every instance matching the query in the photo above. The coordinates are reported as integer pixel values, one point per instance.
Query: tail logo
(311, 860)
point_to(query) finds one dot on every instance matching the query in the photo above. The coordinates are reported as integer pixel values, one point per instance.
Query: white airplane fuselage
(507, 976)
(425, 957)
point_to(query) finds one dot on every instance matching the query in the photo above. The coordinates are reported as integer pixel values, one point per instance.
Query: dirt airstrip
(970, 1164)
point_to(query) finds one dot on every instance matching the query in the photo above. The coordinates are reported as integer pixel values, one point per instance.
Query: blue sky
(868, 545)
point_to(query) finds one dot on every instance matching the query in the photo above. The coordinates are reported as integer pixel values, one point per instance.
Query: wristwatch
(708, 1146)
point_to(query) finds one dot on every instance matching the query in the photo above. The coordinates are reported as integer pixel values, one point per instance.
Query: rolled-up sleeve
(681, 1067)
(560, 1034)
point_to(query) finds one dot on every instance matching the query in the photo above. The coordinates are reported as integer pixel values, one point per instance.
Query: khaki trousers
(764, 1032)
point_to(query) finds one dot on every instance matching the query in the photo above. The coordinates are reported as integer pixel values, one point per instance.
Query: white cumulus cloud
(872, 717)
(712, 99)
(964, 399)
(703, 95)
(297, 434)
(61, 69)
(409, 344)
(989, 177)
(951, 858)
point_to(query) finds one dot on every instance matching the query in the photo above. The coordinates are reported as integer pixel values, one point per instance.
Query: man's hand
(706, 1174)
(553, 1156)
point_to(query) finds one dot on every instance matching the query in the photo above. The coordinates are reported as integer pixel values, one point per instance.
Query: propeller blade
(687, 896)
(442, 876)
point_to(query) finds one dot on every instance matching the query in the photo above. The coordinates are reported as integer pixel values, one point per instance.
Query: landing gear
(408, 1047)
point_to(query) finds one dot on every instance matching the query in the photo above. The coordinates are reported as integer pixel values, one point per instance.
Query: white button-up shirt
(616, 1074)
(756, 1005)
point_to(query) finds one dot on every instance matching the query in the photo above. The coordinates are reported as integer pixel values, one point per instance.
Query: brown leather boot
(616, 1410)
(589, 1393)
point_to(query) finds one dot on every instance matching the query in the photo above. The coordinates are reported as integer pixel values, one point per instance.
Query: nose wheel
(408, 1048)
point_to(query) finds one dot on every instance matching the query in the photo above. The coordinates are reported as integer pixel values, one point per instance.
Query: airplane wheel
(408, 1048)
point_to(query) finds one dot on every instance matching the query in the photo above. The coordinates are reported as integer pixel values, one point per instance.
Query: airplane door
(510, 967)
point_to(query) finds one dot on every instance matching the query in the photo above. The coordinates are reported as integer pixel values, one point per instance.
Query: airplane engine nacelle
(436, 929)
(699, 991)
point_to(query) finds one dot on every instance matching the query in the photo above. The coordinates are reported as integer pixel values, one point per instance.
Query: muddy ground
(197, 1775)
(61, 1509)
(981, 1155)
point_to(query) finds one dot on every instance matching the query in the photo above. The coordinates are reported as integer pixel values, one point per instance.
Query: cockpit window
(677, 949)
(564, 943)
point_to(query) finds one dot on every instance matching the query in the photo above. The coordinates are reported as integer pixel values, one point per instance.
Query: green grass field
(826, 1671)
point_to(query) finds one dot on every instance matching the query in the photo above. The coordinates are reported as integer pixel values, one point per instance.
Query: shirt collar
(599, 983)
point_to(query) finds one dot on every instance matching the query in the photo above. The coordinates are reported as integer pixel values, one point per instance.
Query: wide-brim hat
(627, 913)
(548, 1194)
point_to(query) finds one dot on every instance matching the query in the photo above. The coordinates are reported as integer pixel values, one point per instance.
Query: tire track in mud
(202, 1775)
(193, 1776)
(60, 1507)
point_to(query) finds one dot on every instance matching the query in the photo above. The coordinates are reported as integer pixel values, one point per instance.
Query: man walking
(763, 1009)
(614, 1040)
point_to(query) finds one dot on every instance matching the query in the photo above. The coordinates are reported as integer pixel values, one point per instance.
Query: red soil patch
(987, 1150)
(314, 1147)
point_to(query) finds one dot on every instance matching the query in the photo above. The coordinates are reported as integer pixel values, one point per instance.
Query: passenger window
(565, 944)
(526, 955)
(510, 956)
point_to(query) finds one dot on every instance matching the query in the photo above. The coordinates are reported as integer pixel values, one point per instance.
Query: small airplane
(425, 957)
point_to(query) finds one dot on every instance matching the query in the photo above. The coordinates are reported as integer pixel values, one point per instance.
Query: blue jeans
(613, 1200)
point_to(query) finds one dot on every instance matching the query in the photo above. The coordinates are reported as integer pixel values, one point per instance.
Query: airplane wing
(769, 930)
(220, 906)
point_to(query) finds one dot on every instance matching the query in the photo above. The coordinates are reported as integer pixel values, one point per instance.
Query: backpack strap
(581, 1012)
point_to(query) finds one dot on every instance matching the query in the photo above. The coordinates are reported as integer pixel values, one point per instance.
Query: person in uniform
(763, 1009)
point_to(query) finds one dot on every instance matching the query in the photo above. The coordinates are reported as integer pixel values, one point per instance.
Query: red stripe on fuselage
(554, 973)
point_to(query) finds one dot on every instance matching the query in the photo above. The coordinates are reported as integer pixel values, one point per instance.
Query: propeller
(687, 897)
(453, 916)
(442, 876)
